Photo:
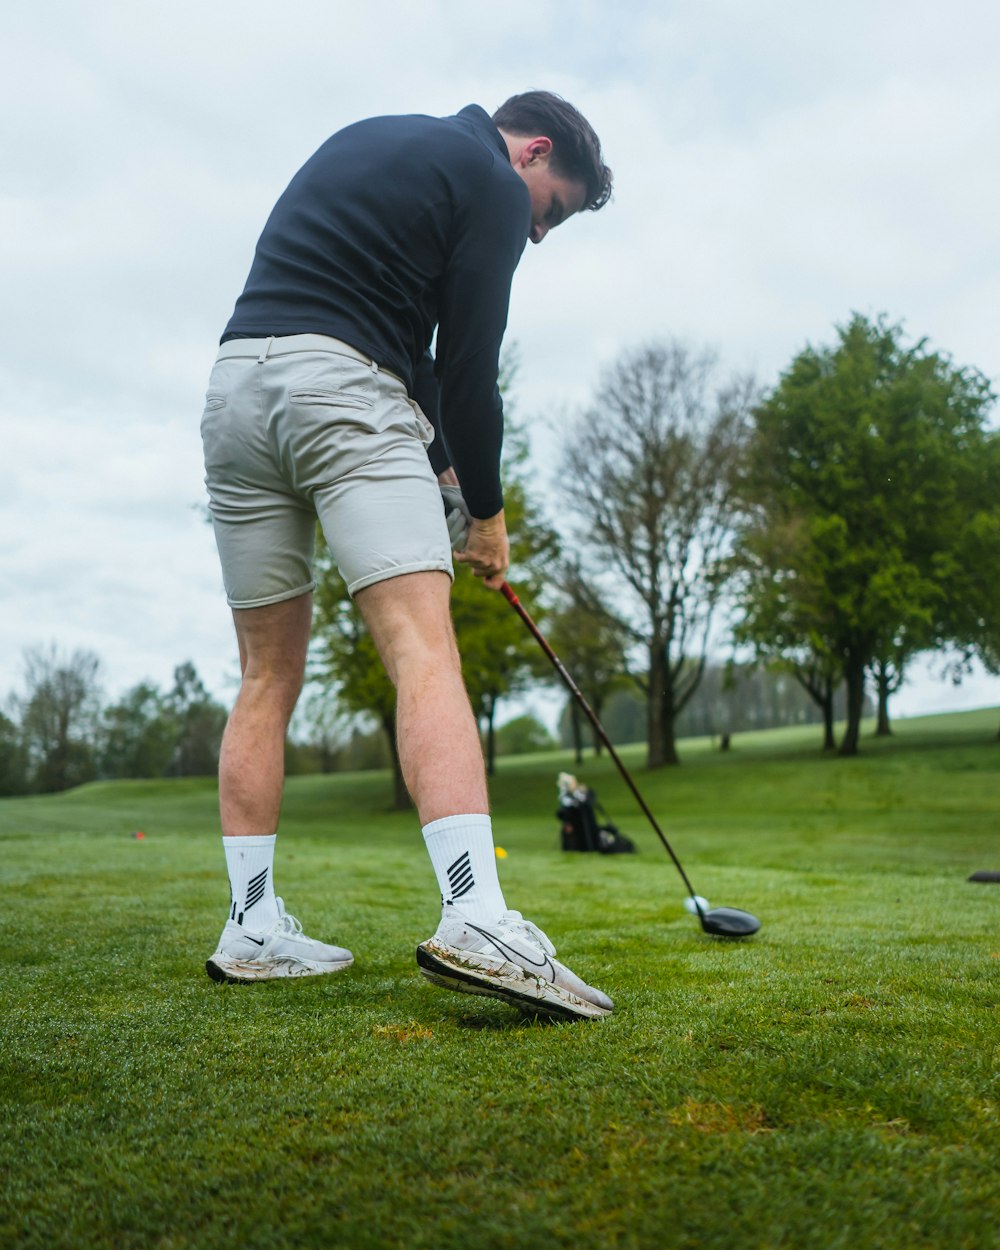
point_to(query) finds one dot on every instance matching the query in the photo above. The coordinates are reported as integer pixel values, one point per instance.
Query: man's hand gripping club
(482, 544)
(487, 551)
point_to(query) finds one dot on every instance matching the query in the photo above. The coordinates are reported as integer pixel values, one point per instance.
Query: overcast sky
(778, 165)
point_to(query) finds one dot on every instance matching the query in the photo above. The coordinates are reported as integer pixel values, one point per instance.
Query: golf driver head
(728, 922)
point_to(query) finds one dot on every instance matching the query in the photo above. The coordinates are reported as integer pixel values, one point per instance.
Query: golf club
(728, 922)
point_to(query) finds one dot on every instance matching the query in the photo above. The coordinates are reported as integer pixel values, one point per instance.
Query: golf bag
(581, 830)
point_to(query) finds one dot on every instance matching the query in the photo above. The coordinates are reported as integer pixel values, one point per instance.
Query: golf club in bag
(727, 922)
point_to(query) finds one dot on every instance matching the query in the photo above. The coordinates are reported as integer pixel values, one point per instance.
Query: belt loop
(374, 366)
(267, 347)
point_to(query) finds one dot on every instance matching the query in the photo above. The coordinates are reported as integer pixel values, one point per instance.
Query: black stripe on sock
(255, 889)
(460, 876)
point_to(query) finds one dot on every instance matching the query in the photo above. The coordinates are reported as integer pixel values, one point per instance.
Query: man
(396, 227)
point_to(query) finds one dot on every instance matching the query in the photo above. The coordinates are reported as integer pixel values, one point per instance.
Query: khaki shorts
(306, 427)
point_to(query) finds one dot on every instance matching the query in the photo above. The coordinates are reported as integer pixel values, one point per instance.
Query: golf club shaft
(591, 715)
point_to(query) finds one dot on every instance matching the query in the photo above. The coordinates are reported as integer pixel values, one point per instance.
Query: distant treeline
(59, 733)
(831, 528)
(729, 699)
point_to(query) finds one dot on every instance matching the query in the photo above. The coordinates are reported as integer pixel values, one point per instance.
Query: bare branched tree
(649, 471)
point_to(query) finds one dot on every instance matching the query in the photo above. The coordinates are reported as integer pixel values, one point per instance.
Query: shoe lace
(286, 923)
(517, 922)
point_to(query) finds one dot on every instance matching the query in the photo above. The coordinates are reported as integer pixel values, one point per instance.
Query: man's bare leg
(439, 750)
(479, 947)
(259, 941)
(272, 642)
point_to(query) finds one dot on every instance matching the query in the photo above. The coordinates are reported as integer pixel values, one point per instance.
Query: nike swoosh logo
(512, 951)
(256, 941)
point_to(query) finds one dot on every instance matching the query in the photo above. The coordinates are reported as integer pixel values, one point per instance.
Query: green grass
(832, 1083)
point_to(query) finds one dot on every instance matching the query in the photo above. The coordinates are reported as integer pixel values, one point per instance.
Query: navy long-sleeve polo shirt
(395, 227)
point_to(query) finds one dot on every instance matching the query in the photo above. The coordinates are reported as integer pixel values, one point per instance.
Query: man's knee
(273, 642)
(270, 692)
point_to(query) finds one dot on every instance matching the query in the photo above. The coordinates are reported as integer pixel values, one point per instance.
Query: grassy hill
(831, 1083)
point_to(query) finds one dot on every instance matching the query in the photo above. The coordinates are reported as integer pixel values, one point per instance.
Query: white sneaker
(283, 950)
(512, 960)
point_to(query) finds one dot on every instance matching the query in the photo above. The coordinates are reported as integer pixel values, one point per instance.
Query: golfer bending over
(395, 227)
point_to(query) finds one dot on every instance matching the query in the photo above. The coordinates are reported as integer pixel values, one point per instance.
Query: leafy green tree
(522, 736)
(199, 721)
(818, 673)
(58, 717)
(970, 619)
(887, 671)
(139, 734)
(975, 619)
(855, 467)
(499, 656)
(13, 758)
(780, 596)
(345, 657)
(496, 659)
(321, 726)
(649, 471)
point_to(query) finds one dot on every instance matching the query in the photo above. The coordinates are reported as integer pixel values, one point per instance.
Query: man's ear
(539, 148)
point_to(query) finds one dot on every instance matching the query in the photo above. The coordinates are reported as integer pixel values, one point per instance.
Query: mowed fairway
(831, 1083)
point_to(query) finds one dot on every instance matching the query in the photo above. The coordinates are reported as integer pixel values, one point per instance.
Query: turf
(831, 1083)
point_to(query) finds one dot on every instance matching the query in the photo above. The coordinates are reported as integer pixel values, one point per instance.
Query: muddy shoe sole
(247, 971)
(468, 973)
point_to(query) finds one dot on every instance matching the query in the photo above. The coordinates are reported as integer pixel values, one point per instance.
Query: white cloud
(777, 166)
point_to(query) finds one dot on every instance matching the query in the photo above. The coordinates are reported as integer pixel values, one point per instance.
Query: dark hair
(576, 149)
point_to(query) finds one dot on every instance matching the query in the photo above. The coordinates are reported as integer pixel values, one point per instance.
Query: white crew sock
(465, 862)
(251, 886)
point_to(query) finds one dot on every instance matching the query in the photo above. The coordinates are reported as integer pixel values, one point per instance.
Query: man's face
(553, 197)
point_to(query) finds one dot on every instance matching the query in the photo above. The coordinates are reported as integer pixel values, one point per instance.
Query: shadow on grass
(510, 1021)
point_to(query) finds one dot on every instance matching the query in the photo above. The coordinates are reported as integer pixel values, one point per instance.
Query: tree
(345, 656)
(200, 722)
(888, 672)
(779, 596)
(649, 471)
(13, 759)
(623, 717)
(139, 735)
(855, 465)
(522, 736)
(499, 656)
(591, 642)
(970, 618)
(323, 726)
(58, 717)
(818, 674)
(498, 659)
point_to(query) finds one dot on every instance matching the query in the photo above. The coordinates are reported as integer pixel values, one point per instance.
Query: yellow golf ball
(501, 853)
